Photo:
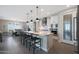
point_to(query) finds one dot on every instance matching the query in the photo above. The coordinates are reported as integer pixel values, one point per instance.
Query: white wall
(54, 20)
(60, 20)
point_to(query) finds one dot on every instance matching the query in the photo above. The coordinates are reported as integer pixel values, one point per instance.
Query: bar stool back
(35, 42)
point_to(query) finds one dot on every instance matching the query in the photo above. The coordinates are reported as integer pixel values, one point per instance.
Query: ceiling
(22, 12)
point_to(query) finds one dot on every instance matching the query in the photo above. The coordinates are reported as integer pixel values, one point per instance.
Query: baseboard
(44, 49)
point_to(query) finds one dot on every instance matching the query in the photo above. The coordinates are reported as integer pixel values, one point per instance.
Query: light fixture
(31, 20)
(67, 5)
(37, 12)
(31, 16)
(42, 10)
(27, 22)
(27, 14)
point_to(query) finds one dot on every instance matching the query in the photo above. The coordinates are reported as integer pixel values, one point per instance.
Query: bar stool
(35, 42)
(22, 37)
(27, 40)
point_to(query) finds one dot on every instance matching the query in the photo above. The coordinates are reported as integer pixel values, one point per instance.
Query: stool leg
(21, 40)
(29, 45)
(40, 44)
(33, 50)
(26, 43)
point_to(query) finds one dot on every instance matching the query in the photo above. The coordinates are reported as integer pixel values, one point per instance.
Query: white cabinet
(46, 42)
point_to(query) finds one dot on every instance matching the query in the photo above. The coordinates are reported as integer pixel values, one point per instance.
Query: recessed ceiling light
(67, 5)
(48, 13)
(42, 9)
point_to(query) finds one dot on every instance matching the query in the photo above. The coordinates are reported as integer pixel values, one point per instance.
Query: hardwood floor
(62, 48)
(12, 45)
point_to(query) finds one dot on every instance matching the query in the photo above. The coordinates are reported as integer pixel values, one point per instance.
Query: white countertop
(39, 33)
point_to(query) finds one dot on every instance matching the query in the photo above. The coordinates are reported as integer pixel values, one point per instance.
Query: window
(12, 26)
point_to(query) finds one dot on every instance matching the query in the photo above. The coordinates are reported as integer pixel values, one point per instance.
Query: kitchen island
(46, 39)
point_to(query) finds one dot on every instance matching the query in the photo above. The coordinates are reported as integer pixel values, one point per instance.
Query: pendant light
(27, 17)
(31, 16)
(37, 12)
